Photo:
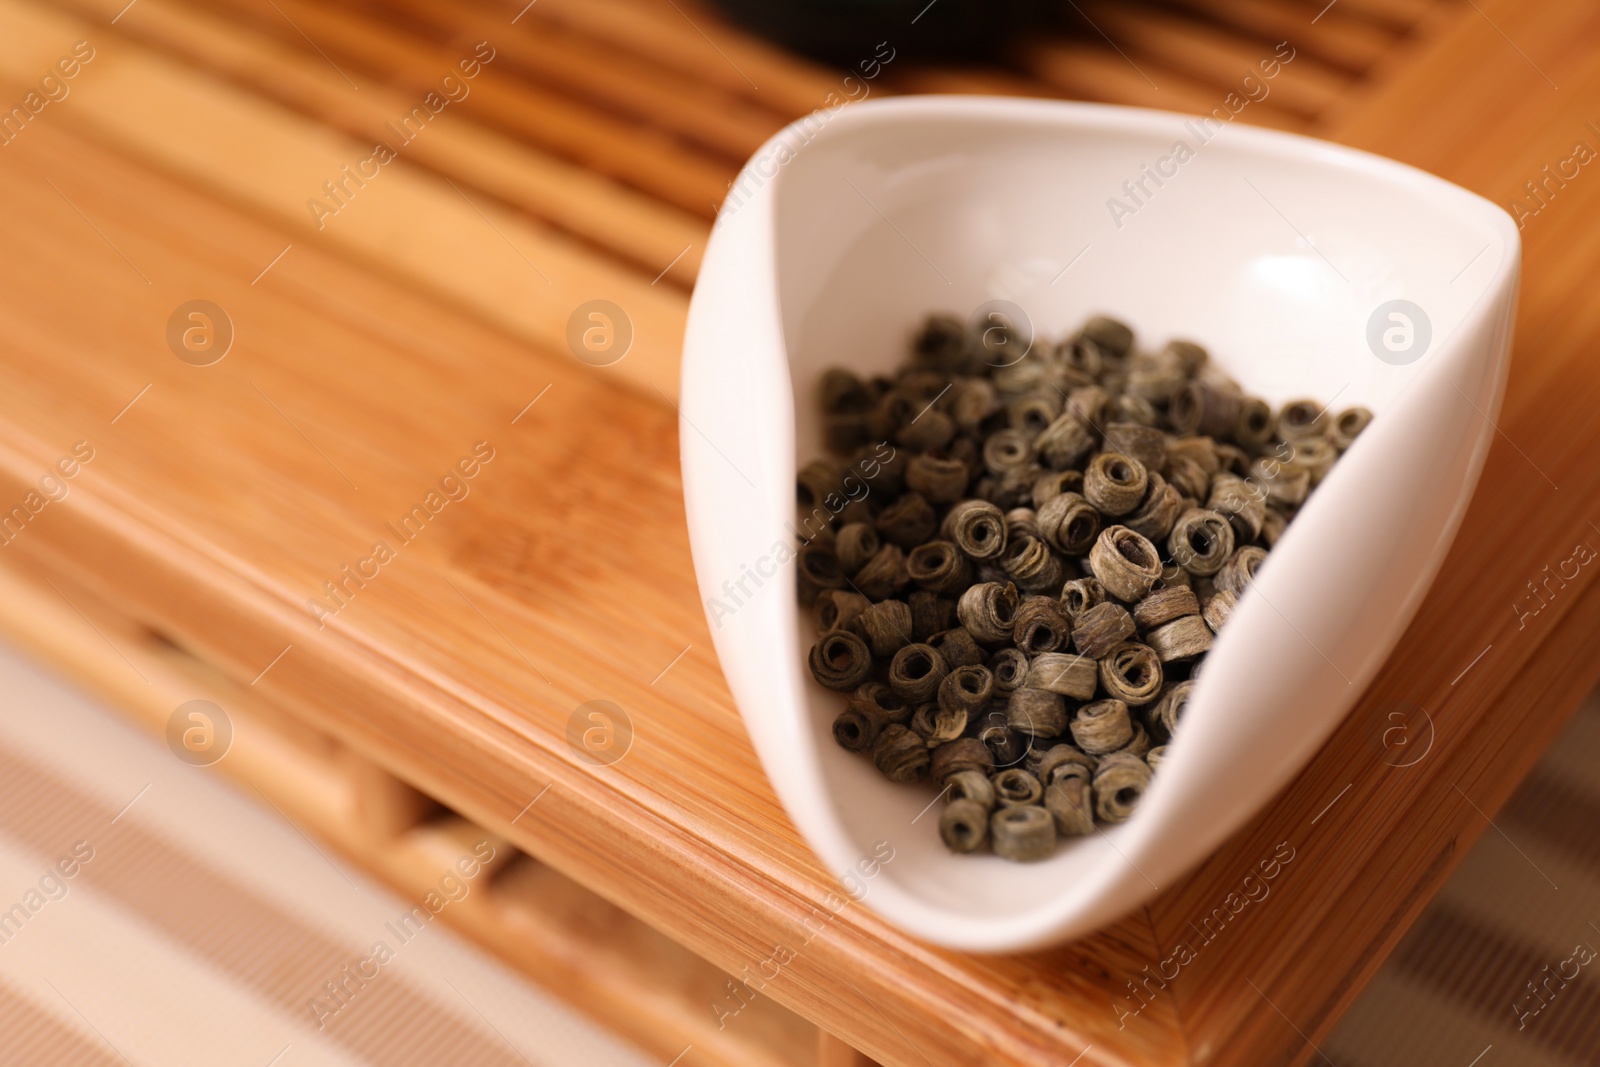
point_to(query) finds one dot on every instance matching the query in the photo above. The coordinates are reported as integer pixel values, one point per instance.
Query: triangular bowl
(1272, 250)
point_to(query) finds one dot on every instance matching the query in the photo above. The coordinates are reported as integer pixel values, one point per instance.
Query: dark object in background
(843, 31)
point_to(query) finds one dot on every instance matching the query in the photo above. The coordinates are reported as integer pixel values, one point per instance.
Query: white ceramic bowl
(1272, 250)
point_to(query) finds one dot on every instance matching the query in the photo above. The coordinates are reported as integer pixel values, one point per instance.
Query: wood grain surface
(376, 352)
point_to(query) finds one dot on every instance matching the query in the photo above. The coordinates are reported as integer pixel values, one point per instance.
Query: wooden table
(375, 346)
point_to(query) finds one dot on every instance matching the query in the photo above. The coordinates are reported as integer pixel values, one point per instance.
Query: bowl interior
(1272, 251)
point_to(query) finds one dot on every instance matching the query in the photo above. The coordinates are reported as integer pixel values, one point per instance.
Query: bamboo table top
(422, 323)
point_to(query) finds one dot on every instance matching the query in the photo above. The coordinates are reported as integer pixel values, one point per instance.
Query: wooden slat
(625, 223)
(587, 69)
(698, 46)
(1305, 86)
(630, 152)
(1353, 45)
(1088, 72)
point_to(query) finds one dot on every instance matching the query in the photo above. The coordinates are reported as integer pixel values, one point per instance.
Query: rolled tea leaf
(1068, 523)
(966, 688)
(1302, 418)
(1161, 606)
(1155, 756)
(1272, 526)
(1286, 482)
(1081, 354)
(1064, 443)
(937, 725)
(840, 660)
(940, 342)
(1154, 518)
(855, 730)
(930, 430)
(1029, 563)
(1164, 715)
(1254, 426)
(1240, 570)
(1126, 563)
(1140, 744)
(938, 480)
(1244, 503)
(1201, 542)
(1022, 834)
(930, 613)
(1180, 639)
(989, 611)
(972, 784)
(1041, 626)
(915, 673)
(1007, 448)
(1119, 785)
(816, 482)
(977, 528)
(1063, 761)
(818, 569)
(885, 626)
(1064, 673)
(1036, 713)
(1186, 476)
(908, 521)
(1348, 426)
(901, 755)
(1081, 594)
(1132, 673)
(840, 390)
(1218, 608)
(1146, 444)
(964, 826)
(957, 646)
(960, 755)
(1007, 746)
(879, 702)
(1070, 801)
(1034, 410)
(1050, 485)
(939, 567)
(1114, 338)
(1010, 669)
(838, 609)
(1102, 727)
(1115, 483)
(856, 543)
(974, 404)
(1317, 455)
(1014, 786)
(1099, 629)
(883, 575)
